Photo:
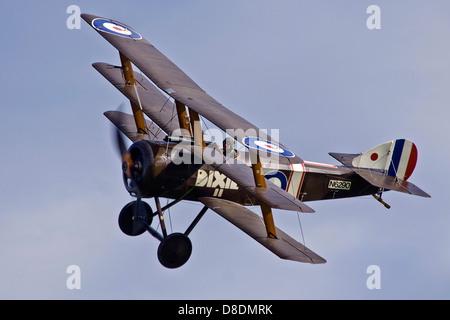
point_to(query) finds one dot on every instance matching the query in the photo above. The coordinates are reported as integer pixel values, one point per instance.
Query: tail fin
(392, 163)
(396, 158)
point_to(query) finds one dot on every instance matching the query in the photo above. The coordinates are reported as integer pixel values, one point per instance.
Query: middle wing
(153, 102)
(242, 174)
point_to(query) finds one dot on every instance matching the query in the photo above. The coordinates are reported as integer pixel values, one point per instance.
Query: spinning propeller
(127, 161)
(136, 215)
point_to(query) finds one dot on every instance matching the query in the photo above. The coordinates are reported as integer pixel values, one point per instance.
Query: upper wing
(284, 246)
(173, 81)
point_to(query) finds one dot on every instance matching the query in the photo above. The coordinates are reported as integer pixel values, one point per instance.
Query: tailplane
(387, 166)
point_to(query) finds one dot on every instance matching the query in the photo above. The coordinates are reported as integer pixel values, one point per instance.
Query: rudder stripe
(396, 156)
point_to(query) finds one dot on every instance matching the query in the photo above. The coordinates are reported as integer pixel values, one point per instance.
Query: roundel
(278, 178)
(115, 28)
(261, 144)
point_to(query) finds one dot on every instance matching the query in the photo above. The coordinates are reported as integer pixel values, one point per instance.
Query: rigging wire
(301, 228)
(137, 95)
(166, 152)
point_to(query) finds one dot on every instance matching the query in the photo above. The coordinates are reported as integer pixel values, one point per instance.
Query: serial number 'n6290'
(339, 184)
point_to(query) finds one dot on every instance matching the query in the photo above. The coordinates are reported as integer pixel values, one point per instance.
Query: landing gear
(134, 217)
(174, 249)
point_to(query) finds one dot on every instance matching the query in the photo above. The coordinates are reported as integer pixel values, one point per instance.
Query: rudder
(397, 158)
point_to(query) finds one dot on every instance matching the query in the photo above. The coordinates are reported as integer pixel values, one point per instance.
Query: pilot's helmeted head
(228, 144)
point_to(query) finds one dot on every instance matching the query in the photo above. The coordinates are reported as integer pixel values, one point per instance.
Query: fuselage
(308, 181)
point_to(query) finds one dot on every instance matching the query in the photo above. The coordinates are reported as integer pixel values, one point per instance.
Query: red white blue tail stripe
(396, 158)
(403, 160)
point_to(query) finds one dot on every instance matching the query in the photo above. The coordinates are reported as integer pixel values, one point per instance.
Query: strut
(260, 182)
(131, 83)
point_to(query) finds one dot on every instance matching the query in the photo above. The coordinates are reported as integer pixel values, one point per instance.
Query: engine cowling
(139, 182)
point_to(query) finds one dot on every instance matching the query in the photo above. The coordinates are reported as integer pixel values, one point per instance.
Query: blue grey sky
(309, 68)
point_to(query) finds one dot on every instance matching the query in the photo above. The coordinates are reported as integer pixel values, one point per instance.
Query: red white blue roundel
(115, 28)
(278, 178)
(261, 144)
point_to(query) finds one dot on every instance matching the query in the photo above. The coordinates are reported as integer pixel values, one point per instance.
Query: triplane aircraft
(170, 157)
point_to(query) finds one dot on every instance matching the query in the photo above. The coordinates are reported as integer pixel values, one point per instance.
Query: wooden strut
(131, 81)
(260, 182)
(161, 218)
(183, 118)
(196, 127)
(190, 124)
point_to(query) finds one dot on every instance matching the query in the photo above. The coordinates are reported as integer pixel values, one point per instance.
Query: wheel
(174, 250)
(127, 222)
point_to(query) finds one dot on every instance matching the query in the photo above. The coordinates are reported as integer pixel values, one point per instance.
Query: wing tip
(88, 17)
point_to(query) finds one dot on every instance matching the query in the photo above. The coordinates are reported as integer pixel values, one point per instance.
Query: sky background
(309, 68)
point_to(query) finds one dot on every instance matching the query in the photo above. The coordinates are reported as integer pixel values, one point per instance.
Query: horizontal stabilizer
(387, 182)
(284, 246)
(344, 158)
